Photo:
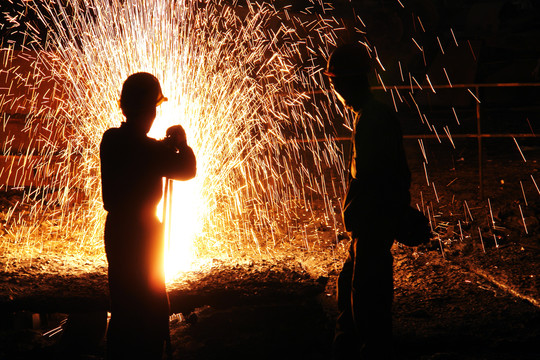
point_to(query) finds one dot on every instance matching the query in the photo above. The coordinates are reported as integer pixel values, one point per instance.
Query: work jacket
(132, 168)
(379, 173)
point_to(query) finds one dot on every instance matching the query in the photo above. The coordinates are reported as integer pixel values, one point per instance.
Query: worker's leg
(372, 293)
(345, 332)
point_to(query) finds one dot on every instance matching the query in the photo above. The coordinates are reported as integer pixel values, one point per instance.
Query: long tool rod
(167, 211)
(169, 218)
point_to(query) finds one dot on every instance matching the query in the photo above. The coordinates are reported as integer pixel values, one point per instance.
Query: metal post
(480, 153)
(169, 220)
(165, 195)
(167, 209)
(167, 203)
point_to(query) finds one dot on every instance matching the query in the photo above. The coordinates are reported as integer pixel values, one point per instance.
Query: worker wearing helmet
(132, 168)
(377, 196)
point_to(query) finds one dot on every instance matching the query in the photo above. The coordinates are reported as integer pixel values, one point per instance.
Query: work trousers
(365, 294)
(139, 324)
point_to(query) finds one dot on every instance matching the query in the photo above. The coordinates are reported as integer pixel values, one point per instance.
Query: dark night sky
(499, 40)
(503, 31)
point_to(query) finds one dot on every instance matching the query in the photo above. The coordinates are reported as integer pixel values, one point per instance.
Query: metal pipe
(480, 152)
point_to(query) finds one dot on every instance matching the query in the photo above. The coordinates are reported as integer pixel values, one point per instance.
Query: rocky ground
(479, 307)
(472, 293)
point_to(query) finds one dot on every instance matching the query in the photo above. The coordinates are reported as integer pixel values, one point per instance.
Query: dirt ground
(472, 293)
(453, 308)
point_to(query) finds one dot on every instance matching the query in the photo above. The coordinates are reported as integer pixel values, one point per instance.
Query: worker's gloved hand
(176, 137)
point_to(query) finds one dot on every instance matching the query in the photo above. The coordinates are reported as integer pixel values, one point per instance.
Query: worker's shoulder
(112, 133)
(119, 136)
(383, 117)
(110, 136)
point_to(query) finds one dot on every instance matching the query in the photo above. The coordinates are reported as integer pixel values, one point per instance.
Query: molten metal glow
(234, 82)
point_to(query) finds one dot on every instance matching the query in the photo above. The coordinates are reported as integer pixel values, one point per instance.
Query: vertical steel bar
(169, 220)
(480, 153)
(167, 208)
(165, 194)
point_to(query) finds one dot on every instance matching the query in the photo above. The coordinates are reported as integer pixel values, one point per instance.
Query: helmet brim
(329, 74)
(161, 99)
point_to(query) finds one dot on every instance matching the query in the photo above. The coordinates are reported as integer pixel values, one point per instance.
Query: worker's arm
(179, 159)
(185, 165)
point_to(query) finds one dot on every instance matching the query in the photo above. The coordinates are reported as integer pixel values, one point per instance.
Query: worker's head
(347, 69)
(141, 94)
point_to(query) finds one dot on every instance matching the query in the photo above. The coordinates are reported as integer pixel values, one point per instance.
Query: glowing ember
(233, 83)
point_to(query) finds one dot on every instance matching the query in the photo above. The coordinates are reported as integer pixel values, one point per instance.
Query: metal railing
(476, 95)
(479, 135)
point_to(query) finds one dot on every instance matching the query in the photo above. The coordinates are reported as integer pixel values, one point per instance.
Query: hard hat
(349, 60)
(140, 90)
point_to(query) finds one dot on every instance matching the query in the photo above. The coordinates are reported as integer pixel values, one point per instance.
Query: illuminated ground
(276, 309)
(470, 305)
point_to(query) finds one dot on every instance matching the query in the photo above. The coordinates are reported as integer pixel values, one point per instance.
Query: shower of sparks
(523, 219)
(421, 143)
(441, 47)
(240, 80)
(519, 148)
(460, 230)
(447, 131)
(441, 246)
(426, 173)
(491, 214)
(481, 239)
(468, 210)
(436, 133)
(455, 115)
(535, 184)
(233, 80)
(435, 191)
(474, 96)
(430, 85)
(447, 77)
(454, 37)
(523, 192)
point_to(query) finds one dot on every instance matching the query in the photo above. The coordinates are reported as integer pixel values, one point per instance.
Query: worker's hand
(176, 137)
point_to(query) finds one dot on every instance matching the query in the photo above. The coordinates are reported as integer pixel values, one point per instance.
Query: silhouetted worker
(132, 168)
(377, 198)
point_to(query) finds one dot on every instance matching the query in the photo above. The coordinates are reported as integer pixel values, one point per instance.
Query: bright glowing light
(182, 226)
(234, 78)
